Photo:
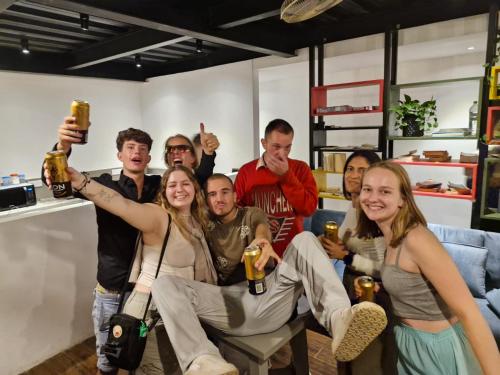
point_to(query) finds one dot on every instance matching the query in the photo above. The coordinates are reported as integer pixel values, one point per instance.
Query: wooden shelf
(326, 172)
(346, 128)
(493, 216)
(429, 138)
(319, 97)
(473, 166)
(334, 149)
(444, 195)
(324, 194)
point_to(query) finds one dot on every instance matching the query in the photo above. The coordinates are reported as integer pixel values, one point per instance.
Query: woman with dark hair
(179, 199)
(362, 256)
(441, 329)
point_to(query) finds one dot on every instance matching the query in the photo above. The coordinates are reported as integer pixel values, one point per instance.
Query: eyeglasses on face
(179, 148)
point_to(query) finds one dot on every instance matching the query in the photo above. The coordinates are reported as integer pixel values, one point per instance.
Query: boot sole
(367, 323)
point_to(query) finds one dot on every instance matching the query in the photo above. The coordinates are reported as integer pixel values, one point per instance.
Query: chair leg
(300, 354)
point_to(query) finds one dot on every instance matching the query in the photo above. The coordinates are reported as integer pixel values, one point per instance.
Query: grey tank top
(412, 295)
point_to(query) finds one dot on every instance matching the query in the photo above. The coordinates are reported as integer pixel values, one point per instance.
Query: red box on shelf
(319, 98)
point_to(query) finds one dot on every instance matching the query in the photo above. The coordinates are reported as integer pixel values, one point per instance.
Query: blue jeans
(105, 305)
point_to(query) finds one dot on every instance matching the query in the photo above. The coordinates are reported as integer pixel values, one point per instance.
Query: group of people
(437, 328)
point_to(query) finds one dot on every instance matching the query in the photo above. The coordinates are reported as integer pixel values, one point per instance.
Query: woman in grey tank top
(442, 330)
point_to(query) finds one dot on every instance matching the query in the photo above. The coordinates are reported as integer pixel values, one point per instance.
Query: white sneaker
(353, 329)
(211, 365)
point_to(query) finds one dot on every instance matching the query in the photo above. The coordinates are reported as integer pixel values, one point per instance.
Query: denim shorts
(105, 305)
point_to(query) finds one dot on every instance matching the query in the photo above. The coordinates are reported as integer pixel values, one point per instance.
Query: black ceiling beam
(222, 56)
(228, 15)
(121, 46)
(51, 63)
(4, 4)
(413, 15)
(159, 16)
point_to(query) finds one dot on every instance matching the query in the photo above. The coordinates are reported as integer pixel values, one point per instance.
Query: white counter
(48, 261)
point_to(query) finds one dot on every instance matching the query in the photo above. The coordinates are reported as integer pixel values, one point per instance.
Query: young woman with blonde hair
(441, 329)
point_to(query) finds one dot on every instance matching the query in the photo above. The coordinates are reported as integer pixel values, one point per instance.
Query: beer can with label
(80, 110)
(367, 284)
(57, 163)
(256, 279)
(332, 231)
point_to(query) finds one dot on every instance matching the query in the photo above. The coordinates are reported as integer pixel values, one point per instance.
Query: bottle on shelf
(473, 118)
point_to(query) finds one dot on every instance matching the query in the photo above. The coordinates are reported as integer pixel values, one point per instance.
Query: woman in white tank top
(187, 254)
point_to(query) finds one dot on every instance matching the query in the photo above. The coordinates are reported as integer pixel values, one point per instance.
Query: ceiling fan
(300, 10)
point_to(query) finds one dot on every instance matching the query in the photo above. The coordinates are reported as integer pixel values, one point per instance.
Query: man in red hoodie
(283, 188)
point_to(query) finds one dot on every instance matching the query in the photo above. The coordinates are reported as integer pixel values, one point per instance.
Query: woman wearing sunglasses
(180, 150)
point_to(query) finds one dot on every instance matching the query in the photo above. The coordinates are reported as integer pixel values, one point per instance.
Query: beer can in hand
(332, 231)
(256, 279)
(57, 163)
(80, 110)
(366, 284)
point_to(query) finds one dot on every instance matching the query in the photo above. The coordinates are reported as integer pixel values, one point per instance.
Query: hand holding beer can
(331, 230)
(80, 110)
(366, 284)
(57, 163)
(256, 279)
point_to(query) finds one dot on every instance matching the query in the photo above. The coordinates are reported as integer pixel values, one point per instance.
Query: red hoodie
(285, 199)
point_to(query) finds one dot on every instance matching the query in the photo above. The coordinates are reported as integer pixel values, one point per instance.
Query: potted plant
(414, 117)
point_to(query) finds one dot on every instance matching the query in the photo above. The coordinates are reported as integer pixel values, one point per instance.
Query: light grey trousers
(232, 309)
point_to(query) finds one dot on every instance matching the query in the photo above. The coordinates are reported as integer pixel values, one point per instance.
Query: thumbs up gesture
(209, 141)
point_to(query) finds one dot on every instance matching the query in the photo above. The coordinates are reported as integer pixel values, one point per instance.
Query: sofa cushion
(493, 297)
(471, 262)
(490, 317)
(478, 238)
(316, 222)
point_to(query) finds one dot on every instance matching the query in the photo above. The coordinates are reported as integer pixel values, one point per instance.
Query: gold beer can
(57, 163)
(80, 110)
(256, 279)
(367, 284)
(331, 230)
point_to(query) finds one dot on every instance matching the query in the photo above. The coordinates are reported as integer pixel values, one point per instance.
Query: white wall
(220, 97)
(47, 274)
(33, 105)
(433, 52)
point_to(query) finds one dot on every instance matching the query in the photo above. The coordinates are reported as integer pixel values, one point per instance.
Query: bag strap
(163, 248)
(126, 284)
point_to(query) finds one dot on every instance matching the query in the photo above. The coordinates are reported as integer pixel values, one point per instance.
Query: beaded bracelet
(84, 183)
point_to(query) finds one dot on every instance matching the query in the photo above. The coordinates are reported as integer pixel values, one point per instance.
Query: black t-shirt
(116, 238)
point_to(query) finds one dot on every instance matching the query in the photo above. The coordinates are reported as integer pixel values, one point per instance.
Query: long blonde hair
(199, 209)
(409, 215)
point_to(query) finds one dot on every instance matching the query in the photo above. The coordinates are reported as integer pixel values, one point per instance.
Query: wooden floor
(81, 359)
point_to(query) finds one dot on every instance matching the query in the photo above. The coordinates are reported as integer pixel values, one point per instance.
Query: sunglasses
(180, 148)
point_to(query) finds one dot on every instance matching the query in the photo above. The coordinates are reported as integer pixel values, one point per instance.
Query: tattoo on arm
(102, 195)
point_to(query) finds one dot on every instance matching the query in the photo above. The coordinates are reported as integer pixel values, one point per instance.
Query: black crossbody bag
(127, 334)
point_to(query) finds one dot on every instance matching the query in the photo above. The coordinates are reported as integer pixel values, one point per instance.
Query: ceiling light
(471, 48)
(138, 61)
(199, 45)
(25, 46)
(84, 21)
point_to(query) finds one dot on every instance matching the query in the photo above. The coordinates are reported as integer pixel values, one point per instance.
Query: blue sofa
(475, 252)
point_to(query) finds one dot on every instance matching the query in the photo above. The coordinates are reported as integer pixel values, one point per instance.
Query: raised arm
(147, 217)
(438, 267)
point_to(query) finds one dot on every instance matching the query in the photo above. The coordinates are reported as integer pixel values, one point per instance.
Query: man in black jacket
(116, 238)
